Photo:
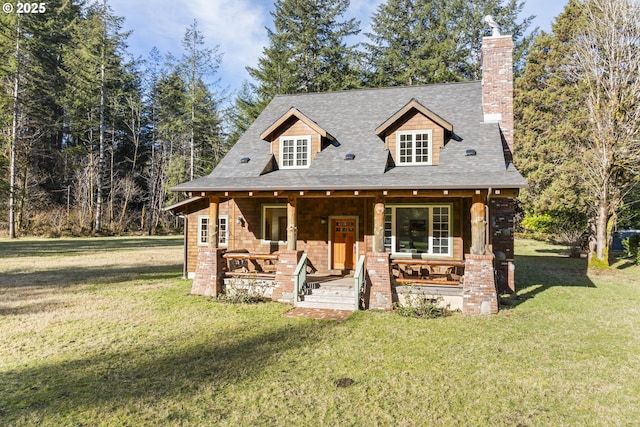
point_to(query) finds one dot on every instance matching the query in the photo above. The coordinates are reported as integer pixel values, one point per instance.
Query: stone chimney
(497, 83)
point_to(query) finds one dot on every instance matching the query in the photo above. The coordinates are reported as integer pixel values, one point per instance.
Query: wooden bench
(248, 256)
(243, 259)
(431, 277)
(428, 281)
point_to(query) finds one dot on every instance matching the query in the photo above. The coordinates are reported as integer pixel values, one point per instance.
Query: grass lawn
(103, 332)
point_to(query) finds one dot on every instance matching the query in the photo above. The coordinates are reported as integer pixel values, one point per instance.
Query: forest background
(91, 138)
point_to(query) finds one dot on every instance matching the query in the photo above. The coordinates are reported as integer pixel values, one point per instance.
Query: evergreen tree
(606, 54)
(433, 41)
(198, 66)
(93, 69)
(578, 109)
(549, 117)
(36, 172)
(307, 52)
(245, 110)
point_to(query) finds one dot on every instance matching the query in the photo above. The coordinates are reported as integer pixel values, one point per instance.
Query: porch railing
(359, 280)
(300, 275)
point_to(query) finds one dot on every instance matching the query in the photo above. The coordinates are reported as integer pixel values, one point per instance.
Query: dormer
(295, 140)
(414, 135)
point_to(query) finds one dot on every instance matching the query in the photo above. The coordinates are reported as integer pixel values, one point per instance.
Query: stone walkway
(318, 313)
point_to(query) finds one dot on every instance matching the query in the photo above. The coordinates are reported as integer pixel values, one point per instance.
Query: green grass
(103, 332)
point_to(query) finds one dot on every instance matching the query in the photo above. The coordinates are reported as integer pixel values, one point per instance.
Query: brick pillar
(209, 272)
(284, 283)
(379, 281)
(479, 288)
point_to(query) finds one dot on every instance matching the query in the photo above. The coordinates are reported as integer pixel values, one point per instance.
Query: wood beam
(292, 224)
(478, 225)
(378, 226)
(214, 209)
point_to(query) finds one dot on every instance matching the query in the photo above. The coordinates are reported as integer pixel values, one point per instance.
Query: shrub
(423, 306)
(599, 264)
(632, 247)
(537, 223)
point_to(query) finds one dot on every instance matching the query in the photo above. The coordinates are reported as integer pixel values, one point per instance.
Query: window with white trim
(418, 229)
(414, 147)
(223, 231)
(295, 152)
(274, 223)
(203, 230)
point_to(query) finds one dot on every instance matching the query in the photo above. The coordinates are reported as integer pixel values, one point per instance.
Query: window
(295, 152)
(223, 231)
(414, 147)
(274, 223)
(418, 229)
(203, 230)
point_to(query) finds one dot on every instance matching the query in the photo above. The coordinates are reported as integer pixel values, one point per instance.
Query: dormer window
(295, 152)
(414, 147)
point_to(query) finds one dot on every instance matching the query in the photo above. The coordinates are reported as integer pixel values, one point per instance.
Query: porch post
(292, 224)
(378, 227)
(478, 225)
(479, 287)
(214, 208)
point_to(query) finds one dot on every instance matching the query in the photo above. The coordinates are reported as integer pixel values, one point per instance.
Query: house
(403, 190)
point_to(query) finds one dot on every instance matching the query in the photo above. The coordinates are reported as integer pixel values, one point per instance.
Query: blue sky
(238, 27)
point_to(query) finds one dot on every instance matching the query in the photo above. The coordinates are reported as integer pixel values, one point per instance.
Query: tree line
(577, 106)
(92, 139)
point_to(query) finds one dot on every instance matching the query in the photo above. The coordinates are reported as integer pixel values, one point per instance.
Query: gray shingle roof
(352, 118)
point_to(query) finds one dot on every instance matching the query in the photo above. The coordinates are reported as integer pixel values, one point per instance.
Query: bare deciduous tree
(607, 63)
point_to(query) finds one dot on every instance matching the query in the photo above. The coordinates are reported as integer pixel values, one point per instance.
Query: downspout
(185, 273)
(487, 220)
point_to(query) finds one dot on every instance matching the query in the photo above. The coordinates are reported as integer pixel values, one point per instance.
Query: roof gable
(413, 105)
(271, 132)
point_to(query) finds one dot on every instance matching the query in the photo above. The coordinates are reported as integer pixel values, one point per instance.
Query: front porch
(374, 285)
(395, 243)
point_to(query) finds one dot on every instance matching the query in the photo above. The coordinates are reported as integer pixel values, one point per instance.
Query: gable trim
(269, 133)
(413, 105)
